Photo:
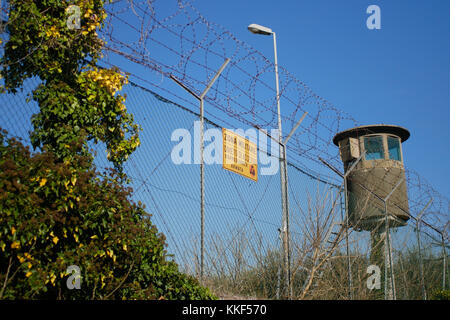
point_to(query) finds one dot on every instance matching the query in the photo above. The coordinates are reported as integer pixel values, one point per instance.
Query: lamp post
(258, 29)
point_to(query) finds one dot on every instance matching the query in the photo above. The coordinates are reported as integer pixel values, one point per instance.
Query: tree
(57, 214)
(74, 94)
(55, 209)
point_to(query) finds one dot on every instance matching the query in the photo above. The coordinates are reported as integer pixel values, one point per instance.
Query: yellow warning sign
(239, 155)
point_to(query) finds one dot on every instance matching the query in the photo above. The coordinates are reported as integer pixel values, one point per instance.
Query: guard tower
(375, 175)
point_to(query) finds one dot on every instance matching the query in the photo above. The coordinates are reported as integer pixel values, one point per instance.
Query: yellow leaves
(111, 254)
(94, 237)
(88, 13)
(102, 278)
(125, 247)
(108, 78)
(43, 182)
(28, 274)
(24, 258)
(52, 32)
(52, 278)
(31, 240)
(73, 180)
(55, 239)
(2, 246)
(93, 26)
(75, 236)
(13, 230)
(15, 245)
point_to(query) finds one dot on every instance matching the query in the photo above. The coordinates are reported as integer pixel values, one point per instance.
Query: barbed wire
(174, 38)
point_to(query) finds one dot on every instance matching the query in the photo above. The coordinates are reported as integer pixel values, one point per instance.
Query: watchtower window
(394, 148)
(374, 147)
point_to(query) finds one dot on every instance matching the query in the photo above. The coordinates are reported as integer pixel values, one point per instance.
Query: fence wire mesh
(243, 247)
(329, 258)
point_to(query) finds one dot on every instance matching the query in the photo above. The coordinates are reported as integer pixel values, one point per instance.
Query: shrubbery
(54, 214)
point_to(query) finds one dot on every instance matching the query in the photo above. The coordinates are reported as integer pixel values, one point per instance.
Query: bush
(441, 295)
(56, 214)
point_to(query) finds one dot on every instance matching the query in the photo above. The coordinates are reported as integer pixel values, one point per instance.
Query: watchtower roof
(398, 131)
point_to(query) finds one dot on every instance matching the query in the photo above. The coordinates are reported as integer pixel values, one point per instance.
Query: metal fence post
(347, 248)
(285, 198)
(347, 223)
(419, 246)
(202, 169)
(444, 261)
(285, 222)
(202, 194)
(388, 250)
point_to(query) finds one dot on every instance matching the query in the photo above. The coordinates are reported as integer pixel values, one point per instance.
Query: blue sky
(399, 74)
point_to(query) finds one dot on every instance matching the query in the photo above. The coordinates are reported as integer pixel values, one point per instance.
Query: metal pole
(347, 225)
(444, 253)
(277, 85)
(282, 160)
(287, 233)
(388, 251)
(202, 195)
(202, 168)
(287, 237)
(386, 281)
(389, 280)
(422, 279)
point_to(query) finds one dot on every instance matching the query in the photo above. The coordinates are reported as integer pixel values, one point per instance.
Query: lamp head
(257, 29)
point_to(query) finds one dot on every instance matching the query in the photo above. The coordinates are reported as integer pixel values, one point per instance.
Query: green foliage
(441, 295)
(41, 43)
(74, 94)
(55, 209)
(55, 214)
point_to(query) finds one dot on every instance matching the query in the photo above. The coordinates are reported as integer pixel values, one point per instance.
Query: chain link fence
(243, 241)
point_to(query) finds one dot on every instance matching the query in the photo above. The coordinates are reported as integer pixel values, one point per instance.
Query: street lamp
(258, 29)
